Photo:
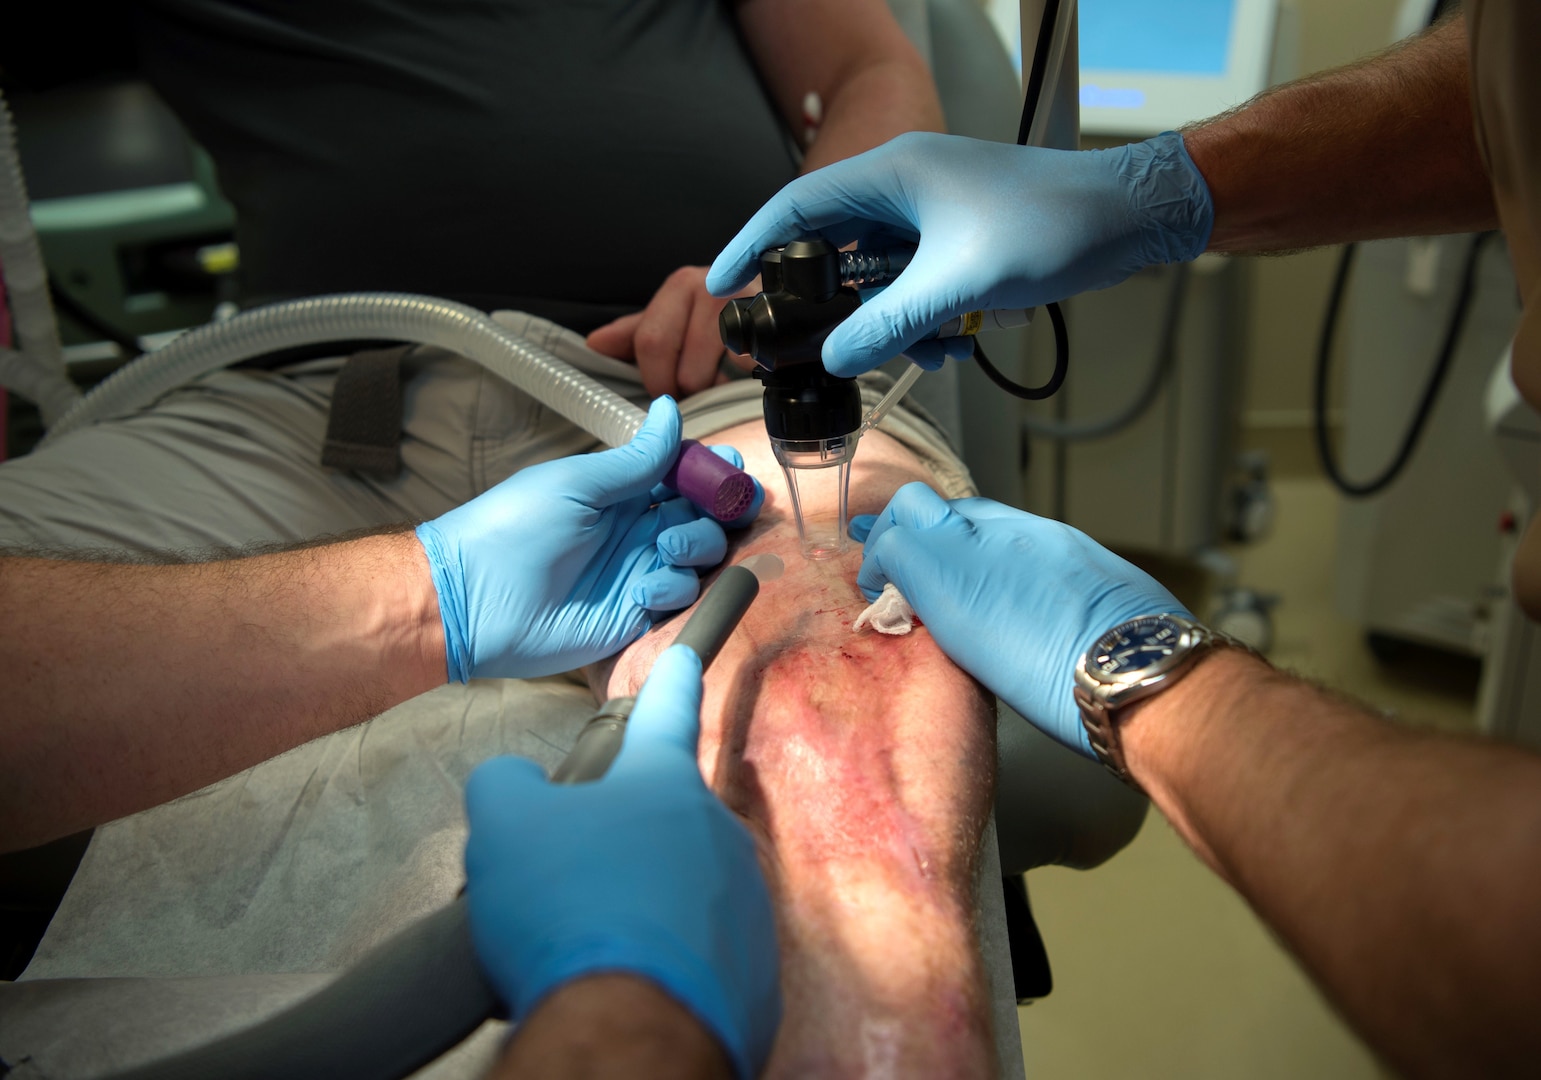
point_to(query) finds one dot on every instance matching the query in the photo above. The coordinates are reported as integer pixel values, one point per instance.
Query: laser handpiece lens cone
(812, 417)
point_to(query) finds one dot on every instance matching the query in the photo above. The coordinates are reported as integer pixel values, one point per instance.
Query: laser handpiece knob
(735, 327)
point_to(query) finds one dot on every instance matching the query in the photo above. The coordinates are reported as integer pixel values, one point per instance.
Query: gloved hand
(1014, 599)
(643, 871)
(568, 561)
(997, 226)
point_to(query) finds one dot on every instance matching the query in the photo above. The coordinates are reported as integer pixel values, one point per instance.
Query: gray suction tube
(706, 631)
(719, 612)
(408, 1001)
(421, 993)
(35, 368)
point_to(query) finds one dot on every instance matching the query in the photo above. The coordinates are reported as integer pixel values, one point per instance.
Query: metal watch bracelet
(1099, 717)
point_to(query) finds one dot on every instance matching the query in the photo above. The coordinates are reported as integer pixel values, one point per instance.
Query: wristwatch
(1129, 663)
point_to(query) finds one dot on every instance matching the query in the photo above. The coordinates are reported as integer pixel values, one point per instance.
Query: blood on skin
(805, 728)
(863, 765)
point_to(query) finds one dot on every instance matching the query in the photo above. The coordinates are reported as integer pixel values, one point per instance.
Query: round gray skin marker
(765, 567)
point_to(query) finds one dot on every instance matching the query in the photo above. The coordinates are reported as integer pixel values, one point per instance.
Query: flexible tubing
(597, 744)
(423, 320)
(895, 393)
(1331, 465)
(1155, 379)
(719, 612)
(26, 287)
(409, 1000)
(53, 394)
(706, 631)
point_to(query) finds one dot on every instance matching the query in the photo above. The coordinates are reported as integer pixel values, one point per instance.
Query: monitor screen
(1152, 65)
(1189, 37)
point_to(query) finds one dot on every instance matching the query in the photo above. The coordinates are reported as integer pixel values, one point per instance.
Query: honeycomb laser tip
(713, 483)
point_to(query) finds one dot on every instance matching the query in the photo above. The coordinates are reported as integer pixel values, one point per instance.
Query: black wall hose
(1416, 427)
(422, 992)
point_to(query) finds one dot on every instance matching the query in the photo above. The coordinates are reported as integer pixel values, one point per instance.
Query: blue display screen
(1175, 37)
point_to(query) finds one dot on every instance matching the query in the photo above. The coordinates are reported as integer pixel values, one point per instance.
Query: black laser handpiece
(706, 631)
(809, 288)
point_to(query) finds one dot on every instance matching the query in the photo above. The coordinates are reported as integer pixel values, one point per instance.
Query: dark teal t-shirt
(557, 156)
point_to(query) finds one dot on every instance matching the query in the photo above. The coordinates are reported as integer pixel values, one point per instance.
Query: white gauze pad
(890, 613)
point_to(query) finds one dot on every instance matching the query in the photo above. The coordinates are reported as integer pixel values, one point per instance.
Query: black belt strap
(363, 429)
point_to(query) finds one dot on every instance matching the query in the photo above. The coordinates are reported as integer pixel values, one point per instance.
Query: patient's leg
(864, 765)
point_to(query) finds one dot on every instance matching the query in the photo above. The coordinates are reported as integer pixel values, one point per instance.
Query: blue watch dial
(1145, 645)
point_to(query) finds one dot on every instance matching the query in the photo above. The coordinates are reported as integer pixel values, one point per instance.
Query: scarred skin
(864, 766)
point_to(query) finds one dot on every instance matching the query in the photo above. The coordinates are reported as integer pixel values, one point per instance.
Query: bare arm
(1401, 867)
(873, 85)
(871, 80)
(1385, 147)
(130, 685)
(612, 1025)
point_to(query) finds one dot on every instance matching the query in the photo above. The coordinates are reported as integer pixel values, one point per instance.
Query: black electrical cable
(1140, 403)
(1061, 364)
(1442, 364)
(1037, 76)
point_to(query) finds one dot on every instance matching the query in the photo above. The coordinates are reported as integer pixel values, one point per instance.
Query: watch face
(1138, 649)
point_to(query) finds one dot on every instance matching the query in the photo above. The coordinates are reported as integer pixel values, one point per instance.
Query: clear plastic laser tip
(818, 475)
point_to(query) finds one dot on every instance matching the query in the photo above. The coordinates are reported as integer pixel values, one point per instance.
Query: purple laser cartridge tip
(717, 486)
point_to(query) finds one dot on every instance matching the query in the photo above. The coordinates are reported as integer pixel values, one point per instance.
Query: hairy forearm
(1400, 866)
(1385, 147)
(130, 685)
(612, 1025)
(870, 80)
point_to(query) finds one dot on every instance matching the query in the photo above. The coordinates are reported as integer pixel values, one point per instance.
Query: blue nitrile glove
(928, 355)
(643, 871)
(1014, 599)
(997, 226)
(566, 562)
